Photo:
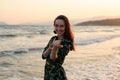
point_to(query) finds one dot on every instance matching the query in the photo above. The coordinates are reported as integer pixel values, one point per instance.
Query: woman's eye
(56, 25)
(61, 25)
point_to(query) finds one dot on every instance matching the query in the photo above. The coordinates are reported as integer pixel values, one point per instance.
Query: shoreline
(98, 61)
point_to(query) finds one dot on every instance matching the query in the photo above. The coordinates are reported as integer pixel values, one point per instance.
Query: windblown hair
(68, 31)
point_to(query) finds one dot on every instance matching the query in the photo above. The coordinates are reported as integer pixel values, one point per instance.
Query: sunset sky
(44, 11)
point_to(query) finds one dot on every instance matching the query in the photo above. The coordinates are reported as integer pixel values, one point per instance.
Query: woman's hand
(57, 44)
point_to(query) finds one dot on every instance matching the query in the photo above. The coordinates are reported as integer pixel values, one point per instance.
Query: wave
(5, 64)
(95, 40)
(107, 30)
(8, 35)
(43, 32)
(11, 31)
(19, 51)
(29, 34)
(97, 31)
(89, 31)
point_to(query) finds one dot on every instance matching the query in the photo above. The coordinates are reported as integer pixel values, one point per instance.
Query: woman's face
(59, 27)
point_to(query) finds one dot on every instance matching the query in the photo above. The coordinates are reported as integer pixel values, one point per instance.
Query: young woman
(58, 47)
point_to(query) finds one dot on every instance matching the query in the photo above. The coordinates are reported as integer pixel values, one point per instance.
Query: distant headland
(103, 22)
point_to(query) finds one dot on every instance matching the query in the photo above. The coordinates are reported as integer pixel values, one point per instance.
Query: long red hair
(68, 31)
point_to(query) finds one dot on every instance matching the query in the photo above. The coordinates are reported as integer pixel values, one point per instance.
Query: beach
(97, 57)
(95, 62)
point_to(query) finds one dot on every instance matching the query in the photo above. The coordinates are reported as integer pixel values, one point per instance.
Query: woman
(58, 47)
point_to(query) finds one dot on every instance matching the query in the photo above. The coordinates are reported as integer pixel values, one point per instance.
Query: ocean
(23, 38)
(20, 43)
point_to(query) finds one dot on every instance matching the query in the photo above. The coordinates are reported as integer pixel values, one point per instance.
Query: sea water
(19, 44)
(26, 37)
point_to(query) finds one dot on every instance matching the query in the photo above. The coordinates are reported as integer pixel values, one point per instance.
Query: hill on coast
(103, 22)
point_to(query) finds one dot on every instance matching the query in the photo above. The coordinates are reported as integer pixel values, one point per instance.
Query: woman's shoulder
(66, 40)
(53, 37)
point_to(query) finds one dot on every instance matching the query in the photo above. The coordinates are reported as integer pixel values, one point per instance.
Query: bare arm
(45, 54)
(56, 46)
(53, 54)
(47, 51)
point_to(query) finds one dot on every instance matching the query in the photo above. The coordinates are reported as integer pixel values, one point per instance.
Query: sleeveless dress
(53, 69)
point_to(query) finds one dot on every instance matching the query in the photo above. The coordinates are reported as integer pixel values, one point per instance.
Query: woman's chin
(59, 34)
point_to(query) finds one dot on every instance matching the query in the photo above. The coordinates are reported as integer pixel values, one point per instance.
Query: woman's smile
(59, 27)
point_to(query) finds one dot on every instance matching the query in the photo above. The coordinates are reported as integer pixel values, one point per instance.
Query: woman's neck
(60, 37)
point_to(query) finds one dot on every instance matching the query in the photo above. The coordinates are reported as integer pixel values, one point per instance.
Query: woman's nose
(58, 27)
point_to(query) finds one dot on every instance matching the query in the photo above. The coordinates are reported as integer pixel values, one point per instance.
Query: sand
(98, 61)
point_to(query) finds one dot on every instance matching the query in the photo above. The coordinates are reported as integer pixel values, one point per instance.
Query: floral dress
(53, 69)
